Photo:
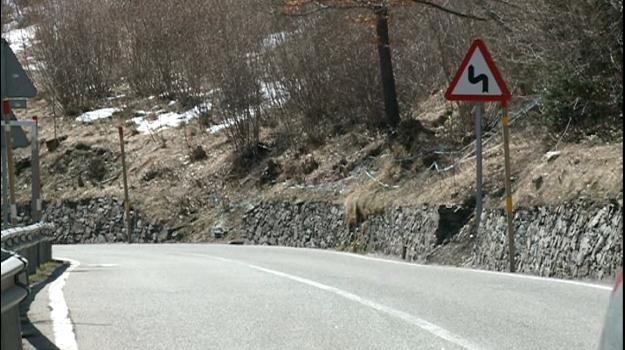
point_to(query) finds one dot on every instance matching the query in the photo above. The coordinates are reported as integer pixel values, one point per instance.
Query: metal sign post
(479, 110)
(478, 80)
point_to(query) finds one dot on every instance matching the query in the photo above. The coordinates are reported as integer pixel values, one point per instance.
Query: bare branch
(449, 11)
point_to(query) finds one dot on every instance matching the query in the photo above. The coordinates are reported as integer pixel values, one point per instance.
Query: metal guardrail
(24, 249)
(14, 287)
(19, 235)
(31, 242)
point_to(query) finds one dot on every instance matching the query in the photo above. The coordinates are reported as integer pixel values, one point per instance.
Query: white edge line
(64, 337)
(497, 273)
(442, 267)
(411, 319)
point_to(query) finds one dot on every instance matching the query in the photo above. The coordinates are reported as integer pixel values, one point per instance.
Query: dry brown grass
(193, 194)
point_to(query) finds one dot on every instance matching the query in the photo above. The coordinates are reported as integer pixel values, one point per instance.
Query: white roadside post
(6, 112)
(36, 180)
(478, 81)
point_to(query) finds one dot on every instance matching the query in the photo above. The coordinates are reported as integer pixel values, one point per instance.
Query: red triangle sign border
(505, 93)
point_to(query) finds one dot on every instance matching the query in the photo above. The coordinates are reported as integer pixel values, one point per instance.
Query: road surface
(243, 297)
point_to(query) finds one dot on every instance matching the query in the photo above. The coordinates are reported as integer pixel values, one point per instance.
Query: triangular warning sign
(16, 83)
(478, 79)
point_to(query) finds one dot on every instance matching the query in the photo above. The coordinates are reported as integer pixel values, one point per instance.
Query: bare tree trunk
(391, 106)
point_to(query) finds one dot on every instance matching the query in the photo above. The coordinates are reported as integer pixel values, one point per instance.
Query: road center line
(406, 317)
(64, 337)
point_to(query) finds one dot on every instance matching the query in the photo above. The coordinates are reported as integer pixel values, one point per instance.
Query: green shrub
(582, 99)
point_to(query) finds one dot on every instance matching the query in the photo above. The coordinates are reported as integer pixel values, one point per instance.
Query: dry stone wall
(99, 220)
(574, 240)
(415, 231)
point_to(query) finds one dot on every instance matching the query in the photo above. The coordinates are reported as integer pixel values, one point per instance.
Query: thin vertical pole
(36, 187)
(5, 188)
(505, 122)
(479, 108)
(126, 199)
(6, 110)
(5, 156)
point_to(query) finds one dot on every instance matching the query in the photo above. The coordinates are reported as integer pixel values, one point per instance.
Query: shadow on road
(30, 333)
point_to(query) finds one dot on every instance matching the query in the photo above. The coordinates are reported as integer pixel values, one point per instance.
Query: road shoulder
(37, 331)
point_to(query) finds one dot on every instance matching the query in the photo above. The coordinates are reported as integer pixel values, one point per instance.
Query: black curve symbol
(482, 78)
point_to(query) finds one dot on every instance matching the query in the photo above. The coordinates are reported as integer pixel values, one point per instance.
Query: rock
(499, 192)
(272, 170)
(538, 182)
(553, 155)
(218, 232)
(309, 164)
(162, 236)
(198, 154)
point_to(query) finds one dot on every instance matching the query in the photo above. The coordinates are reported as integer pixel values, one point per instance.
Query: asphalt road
(240, 297)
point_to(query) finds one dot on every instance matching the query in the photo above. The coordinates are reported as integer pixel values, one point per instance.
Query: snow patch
(18, 39)
(215, 129)
(147, 125)
(274, 40)
(113, 98)
(92, 116)
(274, 92)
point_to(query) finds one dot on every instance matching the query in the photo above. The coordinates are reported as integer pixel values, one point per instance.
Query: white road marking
(498, 273)
(64, 337)
(100, 265)
(404, 316)
(448, 268)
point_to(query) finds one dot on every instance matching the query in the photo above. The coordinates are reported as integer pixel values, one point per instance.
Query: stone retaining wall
(575, 240)
(98, 220)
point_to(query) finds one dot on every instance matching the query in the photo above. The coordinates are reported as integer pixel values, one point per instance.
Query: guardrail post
(31, 256)
(45, 252)
(11, 330)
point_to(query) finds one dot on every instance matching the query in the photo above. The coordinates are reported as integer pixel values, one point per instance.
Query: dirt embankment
(365, 171)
